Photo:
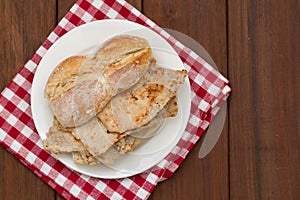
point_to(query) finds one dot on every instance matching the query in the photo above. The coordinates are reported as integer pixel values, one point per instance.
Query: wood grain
(264, 115)
(197, 179)
(254, 43)
(24, 26)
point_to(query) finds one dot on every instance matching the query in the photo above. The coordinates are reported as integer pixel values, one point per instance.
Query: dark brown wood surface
(256, 44)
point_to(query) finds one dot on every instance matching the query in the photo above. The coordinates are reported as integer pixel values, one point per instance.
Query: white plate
(83, 40)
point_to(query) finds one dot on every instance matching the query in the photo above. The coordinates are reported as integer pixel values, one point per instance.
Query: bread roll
(81, 86)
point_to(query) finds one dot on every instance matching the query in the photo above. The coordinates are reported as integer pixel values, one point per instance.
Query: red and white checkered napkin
(19, 136)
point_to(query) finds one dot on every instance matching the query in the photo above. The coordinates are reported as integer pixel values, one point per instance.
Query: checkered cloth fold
(19, 136)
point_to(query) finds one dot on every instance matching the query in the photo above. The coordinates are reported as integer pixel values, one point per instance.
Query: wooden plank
(264, 61)
(205, 21)
(24, 26)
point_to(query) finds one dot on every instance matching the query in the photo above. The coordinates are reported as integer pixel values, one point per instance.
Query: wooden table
(256, 44)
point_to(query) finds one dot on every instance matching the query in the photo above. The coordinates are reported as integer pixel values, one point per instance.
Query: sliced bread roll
(91, 144)
(140, 104)
(131, 141)
(81, 86)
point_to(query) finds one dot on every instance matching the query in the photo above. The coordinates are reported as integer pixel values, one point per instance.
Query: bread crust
(61, 78)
